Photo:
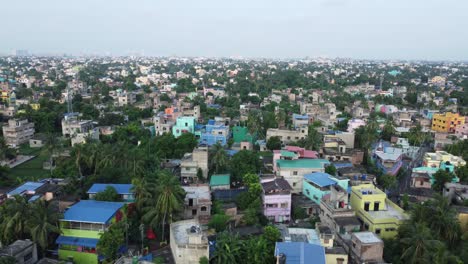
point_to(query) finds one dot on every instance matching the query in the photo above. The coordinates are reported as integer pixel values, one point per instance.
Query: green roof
(302, 163)
(289, 154)
(220, 179)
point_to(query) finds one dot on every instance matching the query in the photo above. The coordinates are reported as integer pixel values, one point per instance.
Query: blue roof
(300, 252)
(26, 187)
(34, 198)
(339, 165)
(120, 188)
(231, 152)
(211, 122)
(92, 211)
(77, 241)
(320, 178)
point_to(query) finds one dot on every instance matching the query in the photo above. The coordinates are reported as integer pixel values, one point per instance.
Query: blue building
(318, 184)
(213, 133)
(300, 253)
(125, 191)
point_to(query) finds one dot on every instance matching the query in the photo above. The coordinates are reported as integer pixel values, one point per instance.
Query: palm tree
(419, 244)
(228, 249)
(219, 160)
(77, 153)
(14, 214)
(43, 222)
(52, 145)
(169, 201)
(443, 220)
(145, 191)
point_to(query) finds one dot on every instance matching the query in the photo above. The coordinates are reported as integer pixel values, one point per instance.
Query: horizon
(356, 29)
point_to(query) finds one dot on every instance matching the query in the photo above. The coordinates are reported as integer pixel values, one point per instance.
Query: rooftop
(220, 179)
(182, 229)
(300, 252)
(302, 163)
(91, 211)
(120, 188)
(367, 237)
(320, 178)
(26, 187)
(276, 186)
(16, 247)
(197, 192)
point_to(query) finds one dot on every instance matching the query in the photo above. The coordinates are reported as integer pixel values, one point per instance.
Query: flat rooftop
(182, 229)
(367, 237)
(197, 192)
(389, 212)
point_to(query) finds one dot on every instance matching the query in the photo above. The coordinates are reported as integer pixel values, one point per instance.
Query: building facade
(447, 122)
(17, 132)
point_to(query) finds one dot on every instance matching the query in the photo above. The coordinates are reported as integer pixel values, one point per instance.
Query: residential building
(72, 125)
(447, 122)
(354, 123)
(299, 253)
(376, 212)
(126, 98)
(184, 124)
(366, 247)
(192, 162)
(438, 158)
(292, 153)
(213, 133)
(24, 252)
(188, 242)
(197, 203)
(388, 159)
(220, 182)
(276, 199)
(336, 212)
(287, 136)
(318, 184)
(293, 171)
(82, 226)
(300, 120)
(162, 123)
(17, 132)
(455, 192)
(423, 177)
(242, 134)
(125, 191)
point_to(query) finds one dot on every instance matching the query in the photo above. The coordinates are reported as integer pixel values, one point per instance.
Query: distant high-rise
(21, 53)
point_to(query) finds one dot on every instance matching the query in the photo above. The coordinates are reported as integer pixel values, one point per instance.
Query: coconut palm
(169, 201)
(14, 214)
(228, 249)
(219, 159)
(419, 244)
(43, 222)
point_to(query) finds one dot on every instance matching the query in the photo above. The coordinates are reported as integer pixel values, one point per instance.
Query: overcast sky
(373, 29)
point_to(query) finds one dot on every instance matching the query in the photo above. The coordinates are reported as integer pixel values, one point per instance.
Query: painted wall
(280, 214)
(312, 192)
(81, 233)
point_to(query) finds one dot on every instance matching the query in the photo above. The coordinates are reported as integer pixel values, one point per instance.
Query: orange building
(447, 122)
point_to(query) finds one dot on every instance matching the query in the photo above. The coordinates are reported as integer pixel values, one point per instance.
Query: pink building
(461, 132)
(355, 123)
(276, 199)
(292, 153)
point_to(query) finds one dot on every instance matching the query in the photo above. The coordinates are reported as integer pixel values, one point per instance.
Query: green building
(184, 124)
(242, 134)
(82, 227)
(220, 181)
(318, 184)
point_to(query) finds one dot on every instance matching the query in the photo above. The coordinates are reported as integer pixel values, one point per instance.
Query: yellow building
(447, 122)
(35, 106)
(434, 159)
(377, 213)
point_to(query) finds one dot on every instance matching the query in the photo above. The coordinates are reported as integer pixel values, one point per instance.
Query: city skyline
(420, 30)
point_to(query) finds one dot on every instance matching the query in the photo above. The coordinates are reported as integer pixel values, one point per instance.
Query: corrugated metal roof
(77, 241)
(92, 211)
(320, 178)
(300, 252)
(120, 188)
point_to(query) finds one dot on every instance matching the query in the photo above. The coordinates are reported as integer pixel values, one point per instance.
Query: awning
(77, 241)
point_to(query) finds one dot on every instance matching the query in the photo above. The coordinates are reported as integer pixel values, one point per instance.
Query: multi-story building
(197, 202)
(318, 184)
(212, 134)
(287, 136)
(439, 158)
(184, 124)
(72, 125)
(22, 251)
(188, 242)
(82, 226)
(17, 132)
(293, 171)
(376, 212)
(447, 122)
(162, 123)
(126, 98)
(300, 120)
(192, 162)
(388, 159)
(276, 199)
(366, 247)
(355, 123)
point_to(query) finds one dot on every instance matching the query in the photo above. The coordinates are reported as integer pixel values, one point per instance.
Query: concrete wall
(280, 214)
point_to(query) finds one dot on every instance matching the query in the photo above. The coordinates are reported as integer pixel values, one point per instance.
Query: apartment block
(447, 122)
(17, 132)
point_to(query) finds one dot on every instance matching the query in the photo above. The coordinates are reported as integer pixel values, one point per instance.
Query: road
(404, 182)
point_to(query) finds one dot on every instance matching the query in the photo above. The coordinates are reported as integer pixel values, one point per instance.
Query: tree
(419, 244)
(219, 159)
(274, 143)
(228, 249)
(168, 202)
(219, 222)
(109, 195)
(313, 140)
(243, 162)
(14, 215)
(388, 130)
(203, 260)
(386, 181)
(110, 241)
(271, 233)
(440, 178)
(43, 223)
(330, 169)
(7, 260)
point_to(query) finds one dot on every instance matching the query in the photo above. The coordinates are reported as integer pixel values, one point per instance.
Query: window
(378, 231)
(376, 206)
(307, 191)
(339, 260)
(27, 257)
(295, 173)
(294, 184)
(203, 209)
(190, 202)
(284, 205)
(366, 206)
(194, 212)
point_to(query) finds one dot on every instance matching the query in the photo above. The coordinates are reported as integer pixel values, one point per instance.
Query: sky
(366, 29)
